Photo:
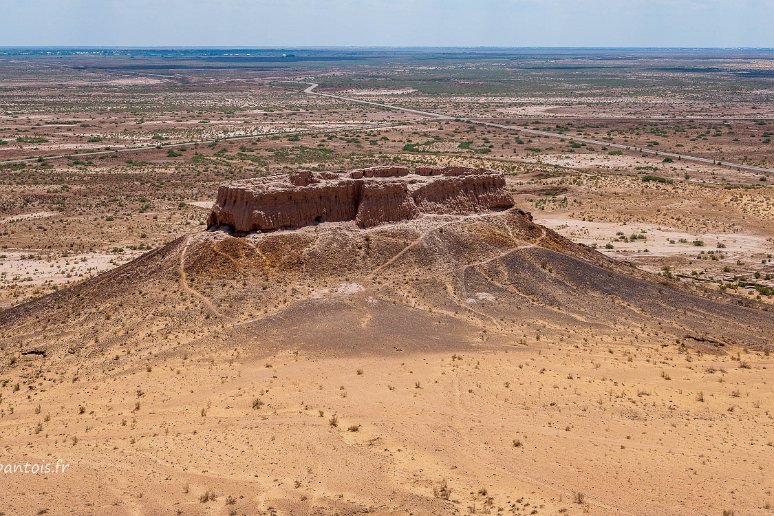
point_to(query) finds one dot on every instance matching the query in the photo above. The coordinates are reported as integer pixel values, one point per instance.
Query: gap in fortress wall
(369, 196)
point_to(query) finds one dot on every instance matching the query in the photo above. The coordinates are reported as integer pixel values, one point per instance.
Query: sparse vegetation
(635, 322)
(657, 179)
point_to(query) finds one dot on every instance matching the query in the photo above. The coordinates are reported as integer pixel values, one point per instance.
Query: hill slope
(439, 281)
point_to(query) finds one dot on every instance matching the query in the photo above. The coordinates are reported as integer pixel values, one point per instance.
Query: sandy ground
(713, 259)
(657, 240)
(520, 430)
(32, 273)
(27, 216)
(202, 204)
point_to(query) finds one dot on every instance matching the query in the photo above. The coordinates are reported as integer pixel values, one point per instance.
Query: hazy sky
(684, 23)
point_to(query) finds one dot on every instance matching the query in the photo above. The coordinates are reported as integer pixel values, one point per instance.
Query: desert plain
(603, 347)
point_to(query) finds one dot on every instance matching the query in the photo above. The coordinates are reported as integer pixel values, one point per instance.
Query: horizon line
(366, 47)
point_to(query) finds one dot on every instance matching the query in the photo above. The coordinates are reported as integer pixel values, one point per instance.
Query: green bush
(657, 179)
(764, 290)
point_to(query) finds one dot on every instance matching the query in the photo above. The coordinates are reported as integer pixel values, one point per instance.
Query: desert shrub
(208, 496)
(657, 179)
(443, 491)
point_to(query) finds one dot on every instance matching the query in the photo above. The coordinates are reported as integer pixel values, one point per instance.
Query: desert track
(310, 90)
(439, 116)
(186, 287)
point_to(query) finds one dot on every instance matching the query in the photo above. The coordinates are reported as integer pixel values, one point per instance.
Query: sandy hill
(441, 281)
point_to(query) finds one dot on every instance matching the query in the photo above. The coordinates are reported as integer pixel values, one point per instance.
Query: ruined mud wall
(370, 197)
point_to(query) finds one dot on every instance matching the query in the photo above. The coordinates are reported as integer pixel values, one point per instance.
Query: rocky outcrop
(370, 197)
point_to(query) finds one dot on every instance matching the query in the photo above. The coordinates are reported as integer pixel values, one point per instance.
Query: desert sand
(601, 343)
